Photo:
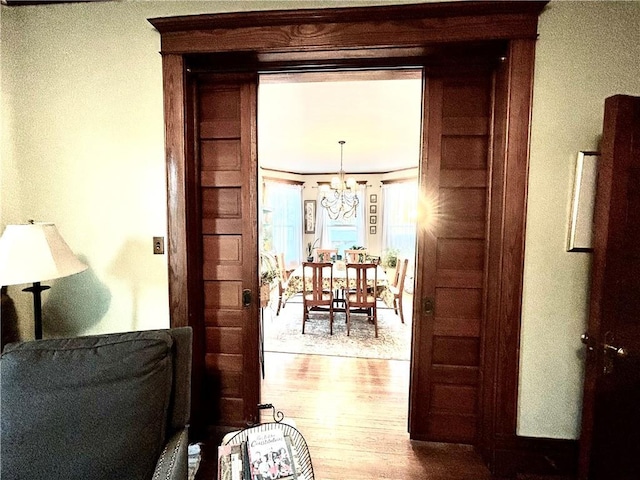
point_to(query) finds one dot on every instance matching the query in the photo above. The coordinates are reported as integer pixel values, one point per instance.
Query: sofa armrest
(173, 463)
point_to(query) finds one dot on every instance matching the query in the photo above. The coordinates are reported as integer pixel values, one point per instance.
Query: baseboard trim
(541, 456)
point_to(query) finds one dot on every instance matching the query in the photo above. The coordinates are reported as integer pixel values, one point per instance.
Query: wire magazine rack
(297, 440)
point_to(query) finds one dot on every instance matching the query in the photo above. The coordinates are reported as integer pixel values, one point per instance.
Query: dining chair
(397, 288)
(283, 275)
(315, 294)
(360, 298)
(326, 254)
(355, 256)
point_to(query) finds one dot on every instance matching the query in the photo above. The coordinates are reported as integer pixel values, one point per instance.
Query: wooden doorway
(448, 38)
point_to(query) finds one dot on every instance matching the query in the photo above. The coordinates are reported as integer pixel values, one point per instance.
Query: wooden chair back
(313, 275)
(398, 286)
(325, 254)
(317, 293)
(355, 256)
(283, 279)
(401, 273)
(362, 279)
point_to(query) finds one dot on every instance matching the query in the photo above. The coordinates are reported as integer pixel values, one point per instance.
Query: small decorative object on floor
(195, 455)
(274, 451)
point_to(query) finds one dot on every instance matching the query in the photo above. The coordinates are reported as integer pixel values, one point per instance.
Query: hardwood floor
(353, 414)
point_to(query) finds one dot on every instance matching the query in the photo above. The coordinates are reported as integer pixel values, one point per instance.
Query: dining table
(295, 285)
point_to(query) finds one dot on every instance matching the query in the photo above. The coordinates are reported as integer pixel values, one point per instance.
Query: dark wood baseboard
(530, 455)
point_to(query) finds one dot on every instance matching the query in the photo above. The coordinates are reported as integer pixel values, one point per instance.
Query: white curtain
(399, 206)
(285, 201)
(361, 216)
(322, 224)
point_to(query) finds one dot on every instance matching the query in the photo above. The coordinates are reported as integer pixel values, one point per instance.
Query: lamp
(340, 199)
(33, 253)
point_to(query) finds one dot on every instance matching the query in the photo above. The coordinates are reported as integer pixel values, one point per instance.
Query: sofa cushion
(85, 408)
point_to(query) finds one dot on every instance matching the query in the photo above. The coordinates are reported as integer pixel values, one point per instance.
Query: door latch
(246, 297)
(427, 306)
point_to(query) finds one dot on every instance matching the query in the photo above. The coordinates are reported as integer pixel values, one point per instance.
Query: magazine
(231, 462)
(269, 456)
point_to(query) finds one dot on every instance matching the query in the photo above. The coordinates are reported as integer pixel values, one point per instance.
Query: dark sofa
(110, 406)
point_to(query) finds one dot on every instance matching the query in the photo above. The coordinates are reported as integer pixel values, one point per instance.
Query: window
(343, 232)
(282, 220)
(400, 202)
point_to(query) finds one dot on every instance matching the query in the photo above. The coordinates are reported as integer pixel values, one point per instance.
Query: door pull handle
(427, 306)
(246, 298)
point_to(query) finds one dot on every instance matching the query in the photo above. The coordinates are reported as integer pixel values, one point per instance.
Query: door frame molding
(392, 34)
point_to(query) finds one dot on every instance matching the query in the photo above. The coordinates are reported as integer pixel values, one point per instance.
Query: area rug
(283, 333)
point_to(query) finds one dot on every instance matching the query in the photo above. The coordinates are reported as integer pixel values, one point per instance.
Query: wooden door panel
(457, 116)
(220, 155)
(464, 397)
(228, 184)
(452, 227)
(442, 424)
(222, 257)
(224, 340)
(464, 152)
(463, 254)
(456, 327)
(465, 98)
(459, 278)
(458, 302)
(459, 351)
(610, 437)
(463, 178)
(464, 202)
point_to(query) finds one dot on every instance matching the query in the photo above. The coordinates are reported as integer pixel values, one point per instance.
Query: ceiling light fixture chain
(340, 199)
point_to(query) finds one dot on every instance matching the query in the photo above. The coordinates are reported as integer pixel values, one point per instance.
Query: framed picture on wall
(373, 209)
(584, 194)
(309, 216)
(372, 230)
(373, 219)
(373, 198)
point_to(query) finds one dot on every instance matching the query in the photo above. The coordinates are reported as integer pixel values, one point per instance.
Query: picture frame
(373, 209)
(372, 230)
(373, 220)
(373, 198)
(309, 216)
(580, 235)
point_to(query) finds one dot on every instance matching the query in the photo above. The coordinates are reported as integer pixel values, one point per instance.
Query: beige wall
(82, 146)
(587, 51)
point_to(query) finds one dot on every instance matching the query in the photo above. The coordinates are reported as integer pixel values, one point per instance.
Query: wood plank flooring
(353, 415)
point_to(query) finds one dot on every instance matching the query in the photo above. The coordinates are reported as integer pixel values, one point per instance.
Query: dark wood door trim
(333, 35)
(352, 28)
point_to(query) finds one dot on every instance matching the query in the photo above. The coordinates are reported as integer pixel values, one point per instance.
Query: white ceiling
(301, 118)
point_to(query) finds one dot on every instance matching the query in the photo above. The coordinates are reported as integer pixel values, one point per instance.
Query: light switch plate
(158, 245)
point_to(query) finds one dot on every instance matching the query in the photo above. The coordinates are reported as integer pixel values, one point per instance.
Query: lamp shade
(35, 252)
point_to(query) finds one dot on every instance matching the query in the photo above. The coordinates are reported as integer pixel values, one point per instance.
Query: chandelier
(340, 199)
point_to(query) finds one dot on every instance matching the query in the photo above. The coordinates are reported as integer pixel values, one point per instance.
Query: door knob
(587, 340)
(619, 352)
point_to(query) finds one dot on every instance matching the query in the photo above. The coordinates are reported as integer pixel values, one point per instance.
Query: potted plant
(390, 258)
(361, 256)
(269, 273)
(310, 247)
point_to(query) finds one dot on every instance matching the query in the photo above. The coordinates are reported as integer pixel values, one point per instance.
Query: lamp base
(37, 289)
